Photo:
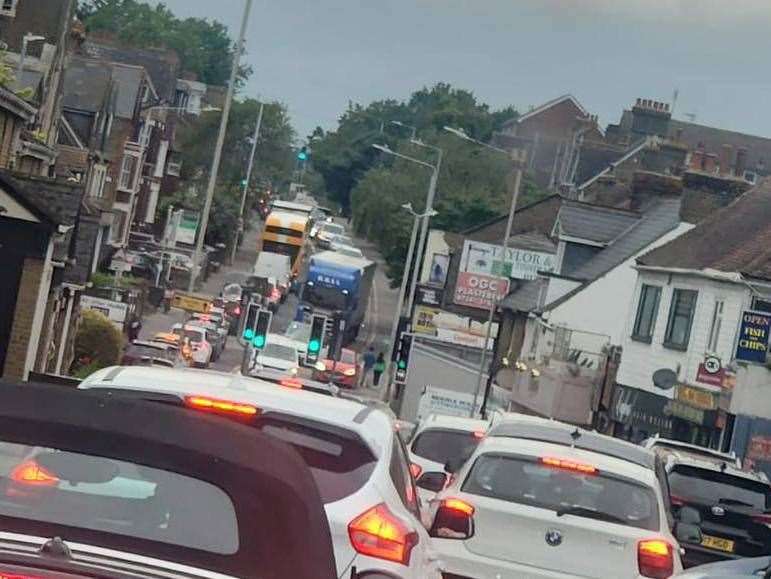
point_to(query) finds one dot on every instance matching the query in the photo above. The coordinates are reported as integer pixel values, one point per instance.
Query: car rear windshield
(190, 334)
(597, 495)
(117, 497)
(339, 460)
(441, 445)
(141, 351)
(708, 487)
(280, 351)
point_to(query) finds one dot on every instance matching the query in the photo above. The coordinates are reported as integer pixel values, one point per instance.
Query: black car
(85, 492)
(730, 507)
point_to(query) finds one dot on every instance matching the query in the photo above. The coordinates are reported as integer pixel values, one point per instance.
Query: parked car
(729, 506)
(345, 372)
(98, 485)
(194, 345)
(150, 353)
(545, 499)
(354, 453)
(440, 439)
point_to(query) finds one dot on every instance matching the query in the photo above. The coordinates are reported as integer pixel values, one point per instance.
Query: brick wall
(26, 303)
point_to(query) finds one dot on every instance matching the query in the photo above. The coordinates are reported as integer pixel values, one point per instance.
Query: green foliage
(101, 279)
(98, 342)
(204, 46)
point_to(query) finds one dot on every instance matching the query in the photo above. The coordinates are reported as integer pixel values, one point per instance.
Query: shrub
(98, 343)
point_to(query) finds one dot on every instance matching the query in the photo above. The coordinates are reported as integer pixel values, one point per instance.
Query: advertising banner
(188, 225)
(452, 403)
(115, 311)
(452, 328)
(479, 291)
(753, 337)
(487, 259)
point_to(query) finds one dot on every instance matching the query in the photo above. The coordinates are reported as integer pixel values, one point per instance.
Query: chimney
(726, 156)
(741, 161)
(638, 103)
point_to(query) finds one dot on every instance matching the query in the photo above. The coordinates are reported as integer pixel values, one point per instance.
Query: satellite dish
(664, 378)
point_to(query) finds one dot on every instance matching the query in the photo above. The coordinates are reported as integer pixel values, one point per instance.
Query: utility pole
(215, 165)
(240, 230)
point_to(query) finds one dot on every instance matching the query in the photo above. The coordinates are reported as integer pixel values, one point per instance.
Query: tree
(98, 343)
(204, 47)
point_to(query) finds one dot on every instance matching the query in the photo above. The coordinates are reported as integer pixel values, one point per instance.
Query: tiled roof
(736, 238)
(86, 84)
(594, 222)
(527, 297)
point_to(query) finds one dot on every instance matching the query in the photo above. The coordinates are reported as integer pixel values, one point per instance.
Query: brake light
(275, 294)
(655, 558)
(762, 520)
(416, 470)
(291, 383)
(214, 405)
(17, 576)
(453, 520)
(378, 533)
(31, 473)
(237, 311)
(479, 434)
(676, 501)
(567, 464)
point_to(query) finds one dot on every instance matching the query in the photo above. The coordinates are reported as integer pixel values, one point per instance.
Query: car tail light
(655, 558)
(237, 311)
(676, 501)
(224, 406)
(762, 520)
(454, 519)
(416, 470)
(31, 473)
(567, 464)
(275, 294)
(378, 533)
(478, 434)
(17, 576)
(349, 372)
(288, 383)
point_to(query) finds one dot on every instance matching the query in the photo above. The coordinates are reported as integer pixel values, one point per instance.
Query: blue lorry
(338, 283)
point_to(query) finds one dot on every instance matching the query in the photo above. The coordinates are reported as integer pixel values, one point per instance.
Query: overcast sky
(316, 55)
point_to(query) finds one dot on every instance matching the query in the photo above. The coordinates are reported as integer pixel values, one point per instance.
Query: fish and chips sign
(753, 337)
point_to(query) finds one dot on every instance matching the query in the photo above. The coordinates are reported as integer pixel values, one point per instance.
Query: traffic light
(260, 337)
(244, 182)
(302, 154)
(250, 321)
(316, 339)
(403, 358)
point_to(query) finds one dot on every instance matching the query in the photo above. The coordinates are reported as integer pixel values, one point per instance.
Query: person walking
(378, 369)
(369, 363)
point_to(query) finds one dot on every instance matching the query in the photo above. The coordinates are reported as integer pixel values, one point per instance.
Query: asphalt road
(375, 330)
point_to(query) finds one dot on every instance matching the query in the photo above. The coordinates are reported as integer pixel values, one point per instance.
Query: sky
(317, 55)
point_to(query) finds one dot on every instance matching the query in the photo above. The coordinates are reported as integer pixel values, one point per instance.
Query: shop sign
(635, 407)
(682, 410)
(428, 296)
(116, 312)
(493, 260)
(712, 378)
(451, 328)
(753, 337)
(697, 397)
(479, 291)
(423, 322)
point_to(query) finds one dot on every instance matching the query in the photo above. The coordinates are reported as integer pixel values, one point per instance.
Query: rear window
(113, 496)
(135, 351)
(440, 445)
(707, 487)
(348, 357)
(339, 461)
(192, 335)
(597, 495)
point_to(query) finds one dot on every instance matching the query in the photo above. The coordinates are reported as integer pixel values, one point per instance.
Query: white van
(277, 266)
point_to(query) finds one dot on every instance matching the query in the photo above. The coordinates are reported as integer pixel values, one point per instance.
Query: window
(680, 319)
(707, 487)
(647, 311)
(128, 172)
(440, 445)
(761, 304)
(717, 322)
(8, 8)
(98, 176)
(402, 478)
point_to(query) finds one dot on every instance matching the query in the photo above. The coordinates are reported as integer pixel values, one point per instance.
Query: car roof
(281, 340)
(667, 446)
(152, 344)
(264, 478)
(369, 422)
(453, 423)
(539, 448)
(564, 434)
(726, 467)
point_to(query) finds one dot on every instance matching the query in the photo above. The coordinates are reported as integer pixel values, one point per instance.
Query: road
(375, 330)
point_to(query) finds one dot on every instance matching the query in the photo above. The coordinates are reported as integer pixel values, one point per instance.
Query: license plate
(717, 543)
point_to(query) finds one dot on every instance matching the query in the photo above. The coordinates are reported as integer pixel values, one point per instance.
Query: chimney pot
(741, 161)
(666, 107)
(726, 156)
(639, 102)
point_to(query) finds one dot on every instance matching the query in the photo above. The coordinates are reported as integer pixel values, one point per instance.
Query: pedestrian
(369, 363)
(378, 369)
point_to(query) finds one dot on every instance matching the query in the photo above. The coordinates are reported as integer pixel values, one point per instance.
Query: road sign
(191, 303)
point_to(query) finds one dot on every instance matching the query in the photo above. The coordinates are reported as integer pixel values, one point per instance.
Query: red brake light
(237, 311)
(212, 404)
(378, 533)
(459, 506)
(567, 464)
(17, 576)
(479, 434)
(31, 473)
(454, 519)
(288, 383)
(416, 470)
(762, 520)
(676, 501)
(655, 558)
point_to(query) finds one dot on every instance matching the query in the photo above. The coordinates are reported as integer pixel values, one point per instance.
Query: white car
(299, 333)
(279, 353)
(202, 351)
(437, 440)
(547, 500)
(327, 231)
(355, 455)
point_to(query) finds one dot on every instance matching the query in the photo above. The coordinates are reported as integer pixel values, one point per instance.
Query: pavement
(375, 330)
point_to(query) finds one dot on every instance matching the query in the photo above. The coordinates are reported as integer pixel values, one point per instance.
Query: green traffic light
(248, 334)
(258, 341)
(314, 346)
(402, 364)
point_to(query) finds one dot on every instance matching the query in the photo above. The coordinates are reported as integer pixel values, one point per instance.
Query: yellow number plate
(717, 543)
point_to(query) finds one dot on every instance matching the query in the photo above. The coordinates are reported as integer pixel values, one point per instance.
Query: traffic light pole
(240, 230)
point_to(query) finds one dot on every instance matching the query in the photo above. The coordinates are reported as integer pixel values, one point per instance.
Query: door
(11, 264)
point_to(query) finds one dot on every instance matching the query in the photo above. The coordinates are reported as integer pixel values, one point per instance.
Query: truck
(337, 283)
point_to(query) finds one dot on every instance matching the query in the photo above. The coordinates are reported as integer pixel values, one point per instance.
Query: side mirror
(687, 533)
(432, 481)
(454, 465)
(689, 516)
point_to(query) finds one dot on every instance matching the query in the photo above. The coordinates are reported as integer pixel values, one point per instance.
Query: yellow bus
(286, 233)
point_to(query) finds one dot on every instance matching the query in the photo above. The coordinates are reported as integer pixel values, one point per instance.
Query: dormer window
(8, 8)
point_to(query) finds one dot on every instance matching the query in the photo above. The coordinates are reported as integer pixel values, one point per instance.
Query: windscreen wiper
(590, 514)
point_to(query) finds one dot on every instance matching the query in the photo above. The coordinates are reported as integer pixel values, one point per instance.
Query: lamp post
(240, 230)
(215, 164)
(516, 157)
(26, 39)
(410, 252)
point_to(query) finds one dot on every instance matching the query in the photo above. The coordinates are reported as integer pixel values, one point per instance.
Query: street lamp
(215, 164)
(413, 239)
(494, 303)
(240, 229)
(405, 126)
(27, 38)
